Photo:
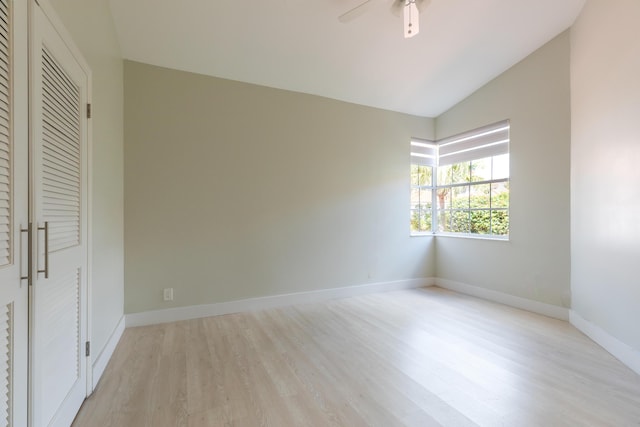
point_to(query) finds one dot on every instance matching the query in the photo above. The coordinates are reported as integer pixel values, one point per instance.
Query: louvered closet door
(13, 213)
(59, 173)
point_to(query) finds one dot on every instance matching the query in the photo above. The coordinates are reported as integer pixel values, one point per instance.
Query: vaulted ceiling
(300, 45)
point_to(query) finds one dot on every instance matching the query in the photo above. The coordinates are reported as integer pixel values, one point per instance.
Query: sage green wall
(235, 191)
(534, 264)
(90, 24)
(605, 175)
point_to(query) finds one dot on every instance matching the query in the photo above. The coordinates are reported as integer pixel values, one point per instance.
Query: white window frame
(478, 144)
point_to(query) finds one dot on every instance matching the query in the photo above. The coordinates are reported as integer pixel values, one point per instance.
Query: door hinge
(87, 348)
(88, 111)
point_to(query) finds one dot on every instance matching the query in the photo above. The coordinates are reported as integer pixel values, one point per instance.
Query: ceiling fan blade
(352, 14)
(422, 4)
(397, 7)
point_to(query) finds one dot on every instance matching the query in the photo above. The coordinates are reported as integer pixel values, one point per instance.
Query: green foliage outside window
(479, 212)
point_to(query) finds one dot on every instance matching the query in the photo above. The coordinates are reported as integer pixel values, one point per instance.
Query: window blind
(487, 141)
(423, 152)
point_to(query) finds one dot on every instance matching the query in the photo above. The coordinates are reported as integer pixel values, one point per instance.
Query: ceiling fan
(410, 9)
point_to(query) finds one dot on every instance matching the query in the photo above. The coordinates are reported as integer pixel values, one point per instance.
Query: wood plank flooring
(424, 357)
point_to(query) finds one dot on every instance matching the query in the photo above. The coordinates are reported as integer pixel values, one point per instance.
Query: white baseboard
(252, 304)
(100, 363)
(506, 299)
(621, 351)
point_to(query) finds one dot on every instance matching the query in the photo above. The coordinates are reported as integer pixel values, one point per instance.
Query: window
(466, 178)
(421, 199)
(423, 160)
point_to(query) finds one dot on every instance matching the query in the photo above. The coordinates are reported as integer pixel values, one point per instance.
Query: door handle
(29, 231)
(46, 249)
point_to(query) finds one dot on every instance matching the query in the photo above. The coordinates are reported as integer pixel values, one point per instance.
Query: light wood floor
(422, 357)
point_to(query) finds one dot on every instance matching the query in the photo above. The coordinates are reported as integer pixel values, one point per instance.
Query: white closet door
(13, 213)
(60, 81)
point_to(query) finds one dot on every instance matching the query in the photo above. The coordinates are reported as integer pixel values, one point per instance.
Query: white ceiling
(300, 45)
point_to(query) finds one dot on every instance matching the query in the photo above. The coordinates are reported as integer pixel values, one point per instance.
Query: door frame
(65, 35)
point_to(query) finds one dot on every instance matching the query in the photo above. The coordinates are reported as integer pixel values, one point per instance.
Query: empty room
(319, 213)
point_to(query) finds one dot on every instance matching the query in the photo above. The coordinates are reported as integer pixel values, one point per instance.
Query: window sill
(474, 237)
(425, 234)
(462, 236)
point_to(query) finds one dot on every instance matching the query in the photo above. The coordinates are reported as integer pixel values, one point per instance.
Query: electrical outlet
(168, 294)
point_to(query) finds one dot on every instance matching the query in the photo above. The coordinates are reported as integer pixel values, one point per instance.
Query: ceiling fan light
(411, 19)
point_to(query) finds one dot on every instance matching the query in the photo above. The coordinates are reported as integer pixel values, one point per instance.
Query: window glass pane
(415, 220)
(500, 195)
(425, 173)
(425, 221)
(444, 175)
(501, 166)
(481, 169)
(421, 175)
(444, 198)
(415, 198)
(425, 198)
(460, 197)
(479, 198)
(460, 173)
(460, 221)
(500, 222)
(444, 221)
(420, 220)
(480, 221)
(414, 175)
